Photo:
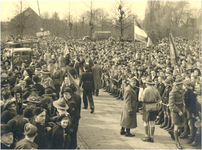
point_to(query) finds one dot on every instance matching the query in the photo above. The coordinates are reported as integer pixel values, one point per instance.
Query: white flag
(66, 50)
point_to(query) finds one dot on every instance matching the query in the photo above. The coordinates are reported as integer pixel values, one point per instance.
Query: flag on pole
(149, 42)
(173, 50)
(66, 50)
(140, 34)
(72, 81)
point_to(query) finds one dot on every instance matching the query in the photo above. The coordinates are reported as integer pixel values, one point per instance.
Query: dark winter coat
(60, 138)
(77, 99)
(130, 105)
(41, 138)
(97, 73)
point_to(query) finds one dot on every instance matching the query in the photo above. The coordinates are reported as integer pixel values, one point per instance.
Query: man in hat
(128, 116)
(30, 132)
(150, 95)
(87, 83)
(177, 107)
(39, 122)
(6, 137)
(58, 77)
(61, 107)
(46, 80)
(37, 85)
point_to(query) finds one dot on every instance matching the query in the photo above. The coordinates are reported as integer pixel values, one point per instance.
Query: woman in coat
(128, 116)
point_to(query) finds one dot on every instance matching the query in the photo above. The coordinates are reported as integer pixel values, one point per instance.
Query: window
(25, 53)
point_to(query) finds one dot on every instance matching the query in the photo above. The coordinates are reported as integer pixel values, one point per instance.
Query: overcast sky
(77, 6)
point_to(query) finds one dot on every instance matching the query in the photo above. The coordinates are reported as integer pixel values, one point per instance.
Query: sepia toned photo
(92, 74)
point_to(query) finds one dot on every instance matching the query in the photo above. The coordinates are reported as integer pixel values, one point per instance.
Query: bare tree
(55, 22)
(101, 18)
(20, 18)
(90, 16)
(122, 14)
(45, 15)
(177, 16)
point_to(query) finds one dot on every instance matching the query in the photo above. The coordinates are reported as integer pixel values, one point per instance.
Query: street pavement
(101, 130)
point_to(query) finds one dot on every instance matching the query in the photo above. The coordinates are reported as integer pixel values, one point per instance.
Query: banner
(46, 33)
(173, 51)
(41, 34)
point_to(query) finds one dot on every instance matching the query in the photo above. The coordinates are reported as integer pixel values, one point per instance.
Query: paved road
(101, 130)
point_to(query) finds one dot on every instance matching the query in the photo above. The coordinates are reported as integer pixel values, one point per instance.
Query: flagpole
(134, 34)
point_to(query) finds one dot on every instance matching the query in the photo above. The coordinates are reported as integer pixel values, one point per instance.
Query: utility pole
(83, 30)
(70, 24)
(91, 22)
(38, 8)
(21, 15)
(41, 23)
(69, 20)
(76, 23)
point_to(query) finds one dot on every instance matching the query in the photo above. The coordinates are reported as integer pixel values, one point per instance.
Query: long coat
(97, 73)
(130, 104)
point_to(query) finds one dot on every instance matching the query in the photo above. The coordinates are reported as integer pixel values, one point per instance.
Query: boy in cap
(30, 132)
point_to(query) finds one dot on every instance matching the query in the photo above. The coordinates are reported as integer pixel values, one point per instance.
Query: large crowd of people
(41, 105)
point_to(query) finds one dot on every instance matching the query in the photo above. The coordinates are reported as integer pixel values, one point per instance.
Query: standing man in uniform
(97, 73)
(150, 95)
(177, 107)
(87, 83)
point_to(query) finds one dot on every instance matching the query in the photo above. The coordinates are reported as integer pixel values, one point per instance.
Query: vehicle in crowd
(10, 46)
(21, 54)
(22, 44)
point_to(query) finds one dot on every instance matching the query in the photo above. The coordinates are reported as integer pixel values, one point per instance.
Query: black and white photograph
(101, 74)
